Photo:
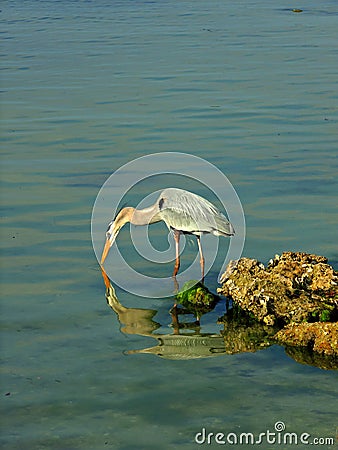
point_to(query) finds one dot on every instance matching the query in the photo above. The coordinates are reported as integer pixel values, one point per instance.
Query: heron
(182, 211)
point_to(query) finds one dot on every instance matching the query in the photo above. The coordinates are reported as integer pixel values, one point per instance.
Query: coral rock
(320, 337)
(294, 287)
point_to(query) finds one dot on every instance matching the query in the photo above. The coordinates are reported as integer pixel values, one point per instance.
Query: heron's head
(113, 230)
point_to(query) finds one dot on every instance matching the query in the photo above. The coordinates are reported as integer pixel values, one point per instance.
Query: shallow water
(87, 87)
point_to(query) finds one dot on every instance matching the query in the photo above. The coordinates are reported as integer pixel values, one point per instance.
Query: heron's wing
(191, 213)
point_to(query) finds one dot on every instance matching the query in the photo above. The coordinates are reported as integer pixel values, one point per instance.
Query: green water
(87, 87)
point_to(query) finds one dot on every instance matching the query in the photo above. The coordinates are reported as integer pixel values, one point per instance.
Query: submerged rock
(294, 287)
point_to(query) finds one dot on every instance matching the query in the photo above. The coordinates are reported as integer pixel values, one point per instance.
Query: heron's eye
(108, 232)
(160, 203)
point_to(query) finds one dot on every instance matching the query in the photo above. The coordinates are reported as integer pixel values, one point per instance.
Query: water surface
(87, 87)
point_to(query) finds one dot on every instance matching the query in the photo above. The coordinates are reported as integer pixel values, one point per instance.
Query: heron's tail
(224, 227)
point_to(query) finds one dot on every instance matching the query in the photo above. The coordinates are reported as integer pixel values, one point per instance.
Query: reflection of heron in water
(132, 320)
(170, 346)
(182, 212)
(240, 334)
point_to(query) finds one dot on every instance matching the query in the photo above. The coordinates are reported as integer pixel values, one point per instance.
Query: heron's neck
(144, 216)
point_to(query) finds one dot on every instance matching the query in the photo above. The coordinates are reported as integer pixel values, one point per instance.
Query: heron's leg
(201, 255)
(177, 242)
(174, 318)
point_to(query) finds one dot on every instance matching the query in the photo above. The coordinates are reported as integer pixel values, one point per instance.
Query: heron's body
(191, 214)
(182, 211)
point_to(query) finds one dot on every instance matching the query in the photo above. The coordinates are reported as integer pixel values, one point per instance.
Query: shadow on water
(240, 333)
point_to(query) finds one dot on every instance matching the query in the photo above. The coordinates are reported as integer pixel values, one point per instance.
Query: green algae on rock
(196, 298)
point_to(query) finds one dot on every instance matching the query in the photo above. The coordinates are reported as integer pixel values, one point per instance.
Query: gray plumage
(189, 213)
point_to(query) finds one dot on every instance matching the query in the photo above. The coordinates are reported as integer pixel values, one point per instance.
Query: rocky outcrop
(294, 287)
(298, 292)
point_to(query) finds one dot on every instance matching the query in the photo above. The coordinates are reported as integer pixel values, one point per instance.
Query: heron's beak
(107, 245)
(105, 251)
